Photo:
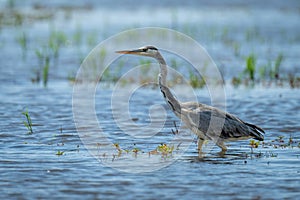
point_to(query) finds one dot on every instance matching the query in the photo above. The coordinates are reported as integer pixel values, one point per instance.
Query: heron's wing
(214, 123)
(235, 128)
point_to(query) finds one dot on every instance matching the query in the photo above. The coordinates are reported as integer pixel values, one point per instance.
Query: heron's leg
(200, 143)
(223, 147)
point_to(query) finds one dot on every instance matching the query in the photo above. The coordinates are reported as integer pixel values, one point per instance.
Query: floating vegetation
(59, 153)
(278, 143)
(254, 144)
(165, 150)
(28, 122)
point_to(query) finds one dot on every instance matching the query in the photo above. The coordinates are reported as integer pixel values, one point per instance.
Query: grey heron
(197, 116)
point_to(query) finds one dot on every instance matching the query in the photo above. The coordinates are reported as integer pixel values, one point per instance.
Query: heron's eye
(144, 50)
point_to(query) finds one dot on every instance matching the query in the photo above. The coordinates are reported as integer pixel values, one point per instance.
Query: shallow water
(30, 168)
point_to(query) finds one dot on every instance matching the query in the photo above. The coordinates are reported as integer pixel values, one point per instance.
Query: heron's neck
(163, 70)
(162, 80)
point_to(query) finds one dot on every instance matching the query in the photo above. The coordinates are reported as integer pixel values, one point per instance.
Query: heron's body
(207, 122)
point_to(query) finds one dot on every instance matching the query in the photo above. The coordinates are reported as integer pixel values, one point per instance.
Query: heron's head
(150, 51)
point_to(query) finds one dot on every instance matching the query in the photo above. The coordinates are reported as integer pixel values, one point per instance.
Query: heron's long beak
(137, 51)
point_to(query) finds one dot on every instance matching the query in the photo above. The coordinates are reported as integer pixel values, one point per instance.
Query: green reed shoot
(40, 56)
(275, 73)
(56, 40)
(195, 81)
(250, 66)
(46, 71)
(43, 56)
(28, 122)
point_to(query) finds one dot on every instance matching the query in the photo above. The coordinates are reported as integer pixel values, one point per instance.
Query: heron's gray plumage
(208, 122)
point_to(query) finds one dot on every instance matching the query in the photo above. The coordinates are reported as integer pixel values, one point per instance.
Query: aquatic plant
(43, 56)
(40, 56)
(59, 153)
(174, 64)
(195, 81)
(102, 55)
(165, 150)
(224, 34)
(91, 39)
(28, 122)
(275, 71)
(135, 150)
(46, 71)
(57, 39)
(281, 142)
(254, 144)
(250, 67)
(251, 34)
(71, 77)
(145, 66)
(236, 81)
(294, 81)
(22, 40)
(263, 70)
(77, 37)
(248, 73)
